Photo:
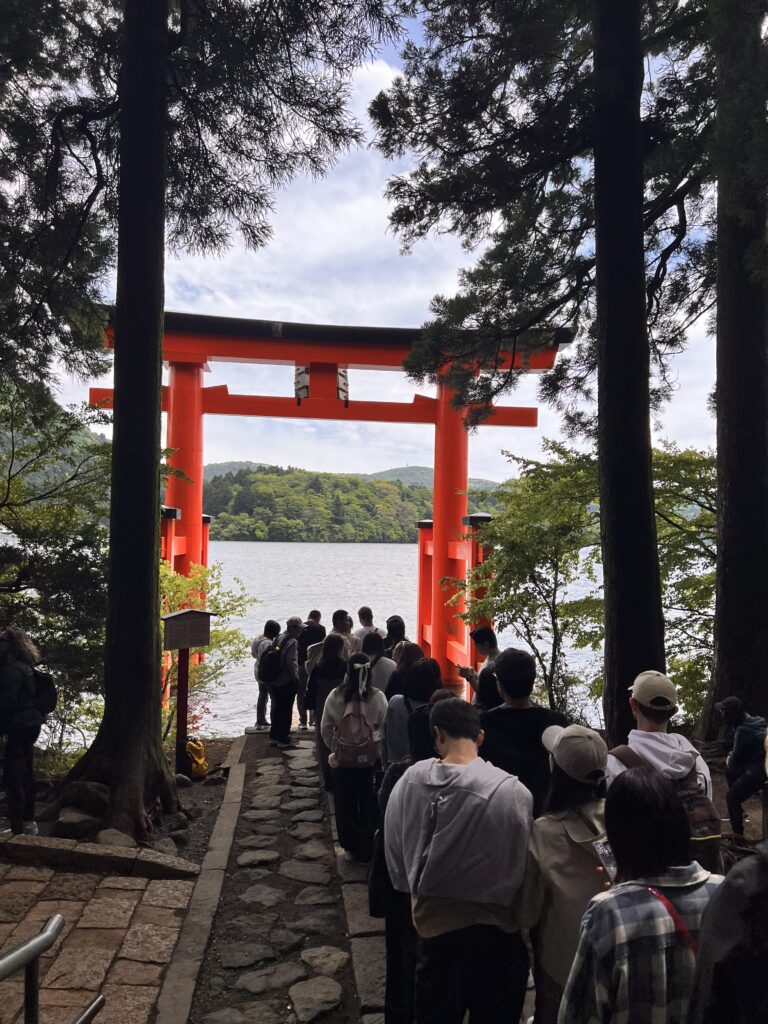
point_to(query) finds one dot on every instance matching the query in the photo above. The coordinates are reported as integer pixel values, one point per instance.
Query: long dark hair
(359, 668)
(330, 655)
(420, 682)
(646, 824)
(373, 646)
(20, 645)
(567, 793)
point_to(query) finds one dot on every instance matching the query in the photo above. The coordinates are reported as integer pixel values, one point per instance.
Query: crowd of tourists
(508, 847)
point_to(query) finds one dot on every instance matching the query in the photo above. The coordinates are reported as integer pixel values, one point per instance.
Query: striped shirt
(631, 966)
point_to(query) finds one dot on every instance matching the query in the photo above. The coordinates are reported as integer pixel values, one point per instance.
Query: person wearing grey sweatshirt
(455, 835)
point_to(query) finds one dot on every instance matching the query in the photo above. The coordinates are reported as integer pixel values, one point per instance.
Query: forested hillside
(270, 503)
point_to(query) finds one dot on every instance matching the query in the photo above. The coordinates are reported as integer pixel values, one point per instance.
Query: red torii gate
(192, 341)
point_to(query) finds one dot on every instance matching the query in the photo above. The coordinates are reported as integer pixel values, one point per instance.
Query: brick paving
(118, 938)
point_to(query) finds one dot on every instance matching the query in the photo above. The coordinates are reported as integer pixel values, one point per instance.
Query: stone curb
(178, 988)
(48, 851)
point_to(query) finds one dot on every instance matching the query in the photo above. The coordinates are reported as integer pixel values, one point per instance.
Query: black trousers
(741, 786)
(261, 704)
(282, 711)
(401, 939)
(19, 777)
(479, 970)
(356, 810)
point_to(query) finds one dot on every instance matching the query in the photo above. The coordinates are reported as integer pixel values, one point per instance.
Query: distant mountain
(422, 476)
(222, 468)
(415, 476)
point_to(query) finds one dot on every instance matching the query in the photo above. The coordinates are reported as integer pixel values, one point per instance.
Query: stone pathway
(282, 950)
(118, 939)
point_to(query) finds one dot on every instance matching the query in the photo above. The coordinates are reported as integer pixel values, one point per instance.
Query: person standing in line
(365, 615)
(340, 623)
(282, 691)
(381, 667)
(513, 730)
(395, 634)
(653, 702)
(20, 721)
(407, 657)
(351, 729)
(328, 673)
(487, 647)
(744, 766)
(259, 645)
(487, 694)
(732, 964)
(561, 874)
(313, 633)
(636, 957)
(455, 833)
(420, 683)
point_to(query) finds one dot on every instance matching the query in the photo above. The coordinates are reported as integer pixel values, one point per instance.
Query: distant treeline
(270, 503)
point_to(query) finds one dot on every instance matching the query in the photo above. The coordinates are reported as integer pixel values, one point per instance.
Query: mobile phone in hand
(605, 855)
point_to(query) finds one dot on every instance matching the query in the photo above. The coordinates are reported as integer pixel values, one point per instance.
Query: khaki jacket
(561, 877)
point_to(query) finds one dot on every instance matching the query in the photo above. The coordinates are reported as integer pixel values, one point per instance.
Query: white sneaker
(348, 857)
(6, 833)
(262, 728)
(31, 829)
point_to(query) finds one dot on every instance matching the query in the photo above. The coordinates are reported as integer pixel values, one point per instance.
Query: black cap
(730, 704)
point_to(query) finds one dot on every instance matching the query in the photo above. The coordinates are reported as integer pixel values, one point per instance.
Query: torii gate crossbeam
(191, 342)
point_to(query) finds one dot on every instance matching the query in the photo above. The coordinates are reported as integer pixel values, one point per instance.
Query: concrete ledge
(178, 990)
(47, 851)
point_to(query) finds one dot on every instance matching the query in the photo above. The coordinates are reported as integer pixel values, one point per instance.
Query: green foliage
(494, 113)
(270, 503)
(544, 541)
(54, 477)
(203, 589)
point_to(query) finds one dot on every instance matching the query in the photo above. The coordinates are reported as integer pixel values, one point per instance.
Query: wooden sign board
(187, 628)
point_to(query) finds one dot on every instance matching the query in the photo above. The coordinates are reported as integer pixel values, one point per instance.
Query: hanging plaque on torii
(322, 354)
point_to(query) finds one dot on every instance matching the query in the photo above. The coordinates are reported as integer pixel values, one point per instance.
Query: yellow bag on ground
(196, 755)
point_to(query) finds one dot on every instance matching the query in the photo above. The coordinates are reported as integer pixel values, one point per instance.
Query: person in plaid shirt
(636, 957)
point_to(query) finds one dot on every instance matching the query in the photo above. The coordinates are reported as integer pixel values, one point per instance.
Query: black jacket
(312, 633)
(513, 743)
(732, 964)
(17, 696)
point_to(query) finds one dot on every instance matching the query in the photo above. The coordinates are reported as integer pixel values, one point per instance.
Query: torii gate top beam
(192, 337)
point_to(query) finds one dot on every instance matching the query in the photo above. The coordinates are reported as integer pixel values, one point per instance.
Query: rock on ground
(314, 997)
(270, 978)
(325, 959)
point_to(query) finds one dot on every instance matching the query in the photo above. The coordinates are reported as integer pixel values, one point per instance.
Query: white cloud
(333, 259)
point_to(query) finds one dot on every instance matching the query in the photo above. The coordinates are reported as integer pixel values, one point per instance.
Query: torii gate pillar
(451, 481)
(185, 436)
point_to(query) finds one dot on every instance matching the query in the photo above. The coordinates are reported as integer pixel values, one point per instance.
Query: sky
(334, 259)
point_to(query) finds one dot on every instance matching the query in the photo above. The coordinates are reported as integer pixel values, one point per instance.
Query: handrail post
(31, 992)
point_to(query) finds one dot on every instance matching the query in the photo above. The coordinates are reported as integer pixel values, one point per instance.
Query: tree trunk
(127, 751)
(741, 602)
(634, 624)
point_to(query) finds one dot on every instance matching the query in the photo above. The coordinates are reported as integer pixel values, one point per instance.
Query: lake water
(291, 579)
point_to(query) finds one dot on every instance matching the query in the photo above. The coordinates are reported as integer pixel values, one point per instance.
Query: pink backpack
(356, 746)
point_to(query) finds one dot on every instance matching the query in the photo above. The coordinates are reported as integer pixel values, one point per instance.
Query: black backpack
(46, 695)
(271, 661)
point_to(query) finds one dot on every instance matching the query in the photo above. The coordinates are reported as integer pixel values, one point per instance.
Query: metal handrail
(30, 950)
(26, 957)
(90, 1011)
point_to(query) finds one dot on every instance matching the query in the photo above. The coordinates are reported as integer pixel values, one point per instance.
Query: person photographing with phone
(486, 646)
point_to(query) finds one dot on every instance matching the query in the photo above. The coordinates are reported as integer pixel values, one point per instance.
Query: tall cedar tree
(634, 624)
(740, 155)
(183, 118)
(127, 751)
(499, 105)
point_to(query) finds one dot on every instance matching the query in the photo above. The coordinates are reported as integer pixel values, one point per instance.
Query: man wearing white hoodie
(455, 836)
(653, 700)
